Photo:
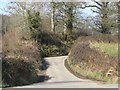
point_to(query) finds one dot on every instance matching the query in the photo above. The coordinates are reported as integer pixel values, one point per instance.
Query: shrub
(18, 72)
(53, 44)
(86, 57)
(21, 59)
(54, 50)
(99, 38)
(49, 38)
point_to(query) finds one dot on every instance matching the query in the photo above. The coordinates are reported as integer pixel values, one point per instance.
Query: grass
(95, 75)
(108, 48)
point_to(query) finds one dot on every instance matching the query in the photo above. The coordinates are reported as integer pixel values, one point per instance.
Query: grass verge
(93, 75)
(108, 48)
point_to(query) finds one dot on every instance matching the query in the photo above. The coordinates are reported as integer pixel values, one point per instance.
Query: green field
(110, 49)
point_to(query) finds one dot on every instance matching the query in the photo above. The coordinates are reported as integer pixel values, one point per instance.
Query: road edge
(79, 75)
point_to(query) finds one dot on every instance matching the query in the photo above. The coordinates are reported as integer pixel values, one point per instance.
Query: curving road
(62, 78)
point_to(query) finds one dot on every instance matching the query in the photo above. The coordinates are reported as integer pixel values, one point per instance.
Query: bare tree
(106, 16)
(118, 5)
(53, 17)
(66, 13)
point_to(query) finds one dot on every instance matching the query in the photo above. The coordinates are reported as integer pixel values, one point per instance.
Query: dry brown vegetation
(90, 61)
(21, 59)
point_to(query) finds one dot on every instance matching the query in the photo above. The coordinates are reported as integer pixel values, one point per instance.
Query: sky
(3, 4)
(86, 12)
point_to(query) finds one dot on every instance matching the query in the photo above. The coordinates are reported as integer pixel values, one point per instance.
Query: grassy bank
(95, 57)
(94, 75)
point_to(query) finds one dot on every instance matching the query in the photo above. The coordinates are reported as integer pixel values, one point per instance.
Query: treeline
(66, 17)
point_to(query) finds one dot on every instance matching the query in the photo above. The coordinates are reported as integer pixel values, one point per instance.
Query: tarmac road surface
(62, 78)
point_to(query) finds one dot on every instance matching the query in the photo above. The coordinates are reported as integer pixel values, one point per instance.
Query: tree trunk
(118, 5)
(53, 17)
(69, 22)
(118, 15)
(105, 26)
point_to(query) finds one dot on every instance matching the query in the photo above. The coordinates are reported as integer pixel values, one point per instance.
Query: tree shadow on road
(45, 65)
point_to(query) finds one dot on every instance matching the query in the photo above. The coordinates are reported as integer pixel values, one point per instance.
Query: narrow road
(62, 78)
